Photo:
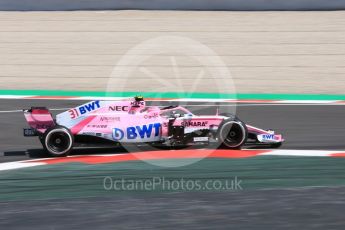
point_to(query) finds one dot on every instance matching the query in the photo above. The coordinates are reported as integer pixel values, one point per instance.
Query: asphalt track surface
(319, 127)
(304, 127)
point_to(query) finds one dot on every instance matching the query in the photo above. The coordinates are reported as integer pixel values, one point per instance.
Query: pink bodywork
(105, 118)
(39, 119)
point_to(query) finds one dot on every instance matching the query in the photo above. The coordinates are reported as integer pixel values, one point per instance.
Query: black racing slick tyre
(232, 134)
(58, 141)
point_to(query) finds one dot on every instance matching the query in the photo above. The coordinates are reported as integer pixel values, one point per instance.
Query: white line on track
(305, 153)
(11, 111)
(17, 165)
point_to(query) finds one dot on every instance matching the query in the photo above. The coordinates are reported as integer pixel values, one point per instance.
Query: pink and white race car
(130, 121)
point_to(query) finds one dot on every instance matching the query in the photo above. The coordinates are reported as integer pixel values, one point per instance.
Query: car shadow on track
(41, 153)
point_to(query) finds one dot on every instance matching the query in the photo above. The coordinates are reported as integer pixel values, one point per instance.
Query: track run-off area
(311, 161)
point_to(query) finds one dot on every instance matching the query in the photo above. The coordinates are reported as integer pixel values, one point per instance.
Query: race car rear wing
(39, 119)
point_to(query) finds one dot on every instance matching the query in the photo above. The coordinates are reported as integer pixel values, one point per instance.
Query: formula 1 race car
(132, 122)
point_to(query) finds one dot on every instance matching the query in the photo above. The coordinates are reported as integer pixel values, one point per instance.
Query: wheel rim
(58, 142)
(233, 134)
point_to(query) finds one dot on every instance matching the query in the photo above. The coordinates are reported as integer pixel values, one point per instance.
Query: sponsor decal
(137, 103)
(201, 139)
(109, 119)
(98, 126)
(194, 123)
(150, 116)
(29, 132)
(118, 134)
(268, 136)
(89, 133)
(119, 108)
(143, 131)
(135, 132)
(81, 110)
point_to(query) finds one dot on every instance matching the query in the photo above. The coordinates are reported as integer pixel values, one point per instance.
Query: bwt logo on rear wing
(84, 109)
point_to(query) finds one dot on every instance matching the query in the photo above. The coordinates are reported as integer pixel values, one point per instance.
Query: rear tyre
(232, 134)
(58, 141)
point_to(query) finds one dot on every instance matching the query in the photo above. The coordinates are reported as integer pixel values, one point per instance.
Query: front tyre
(232, 134)
(58, 141)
